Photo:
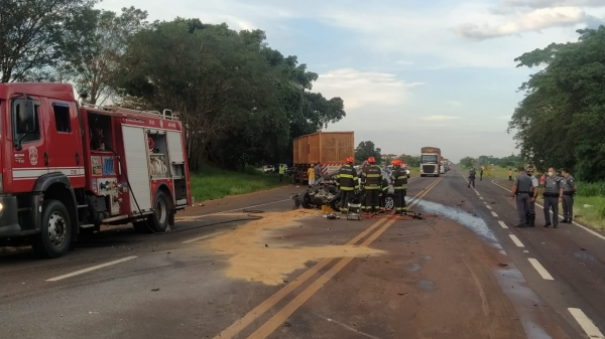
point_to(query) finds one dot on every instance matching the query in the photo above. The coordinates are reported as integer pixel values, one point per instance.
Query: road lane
(572, 257)
(132, 297)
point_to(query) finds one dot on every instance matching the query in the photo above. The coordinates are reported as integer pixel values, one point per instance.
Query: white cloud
(359, 89)
(404, 62)
(440, 118)
(531, 21)
(552, 3)
(454, 103)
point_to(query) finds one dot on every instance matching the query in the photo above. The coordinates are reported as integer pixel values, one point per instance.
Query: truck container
(329, 149)
(430, 161)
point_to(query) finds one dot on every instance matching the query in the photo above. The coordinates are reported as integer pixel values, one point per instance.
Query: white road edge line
(488, 207)
(516, 240)
(560, 216)
(93, 268)
(207, 236)
(494, 214)
(587, 325)
(480, 197)
(541, 270)
(502, 224)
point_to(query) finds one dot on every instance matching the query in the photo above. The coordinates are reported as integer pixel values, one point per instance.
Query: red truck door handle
(45, 158)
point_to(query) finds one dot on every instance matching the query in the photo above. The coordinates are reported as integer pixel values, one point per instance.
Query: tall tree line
(241, 101)
(561, 120)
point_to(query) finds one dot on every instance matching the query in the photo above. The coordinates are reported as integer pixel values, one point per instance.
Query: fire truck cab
(66, 169)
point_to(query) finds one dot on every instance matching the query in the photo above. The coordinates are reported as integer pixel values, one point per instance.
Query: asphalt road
(461, 272)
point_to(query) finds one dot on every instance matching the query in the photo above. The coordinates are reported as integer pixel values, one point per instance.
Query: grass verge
(211, 183)
(589, 204)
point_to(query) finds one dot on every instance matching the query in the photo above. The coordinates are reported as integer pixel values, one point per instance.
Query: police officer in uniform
(552, 193)
(400, 185)
(520, 190)
(348, 182)
(471, 177)
(533, 194)
(569, 190)
(371, 178)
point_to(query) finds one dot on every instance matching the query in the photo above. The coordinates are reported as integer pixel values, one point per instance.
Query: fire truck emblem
(33, 155)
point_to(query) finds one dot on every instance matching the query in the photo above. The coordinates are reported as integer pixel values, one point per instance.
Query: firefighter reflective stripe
(371, 177)
(399, 176)
(347, 178)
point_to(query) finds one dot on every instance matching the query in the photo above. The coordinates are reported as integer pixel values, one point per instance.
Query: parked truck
(430, 161)
(69, 168)
(328, 149)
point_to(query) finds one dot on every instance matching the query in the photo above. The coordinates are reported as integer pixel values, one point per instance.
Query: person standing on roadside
(553, 194)
(317, 169)
(510, 174)
(481, 173)
(533, 194)
(282, 171)
(471, 177)
(520, 191)
(311, 175)
(569, 191)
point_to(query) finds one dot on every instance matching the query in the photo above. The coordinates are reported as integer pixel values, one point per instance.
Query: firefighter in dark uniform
(371, 178)
(400, 185)
(384, 190)
(348, 182)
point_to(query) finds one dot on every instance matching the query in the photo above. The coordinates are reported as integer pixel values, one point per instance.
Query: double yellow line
(278, 319)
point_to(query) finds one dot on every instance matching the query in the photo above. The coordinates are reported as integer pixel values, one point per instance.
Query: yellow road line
(278, 319)
(266, 305)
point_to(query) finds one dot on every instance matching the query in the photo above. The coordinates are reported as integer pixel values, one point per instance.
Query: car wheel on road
(55, 234)
(305, 200)
(335, 204)
(389, 202)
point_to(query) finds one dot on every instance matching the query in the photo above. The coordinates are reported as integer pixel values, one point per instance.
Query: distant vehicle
(268, 169)
(429, 161)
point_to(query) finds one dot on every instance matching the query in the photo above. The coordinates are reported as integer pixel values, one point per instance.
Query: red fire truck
(67, 169)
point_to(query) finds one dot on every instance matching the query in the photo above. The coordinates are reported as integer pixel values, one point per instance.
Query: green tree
(367, 149)
(241, 101)
(560, 121)
(93, 46)
(467, 162)
(31, 32)
(410, 160)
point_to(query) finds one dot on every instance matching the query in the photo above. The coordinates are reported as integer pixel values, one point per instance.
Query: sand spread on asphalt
(250, 260)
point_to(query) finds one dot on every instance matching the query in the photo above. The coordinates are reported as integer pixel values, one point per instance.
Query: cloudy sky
(412, 73)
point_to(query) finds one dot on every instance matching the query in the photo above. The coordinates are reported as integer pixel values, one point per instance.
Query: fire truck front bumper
(9, 220)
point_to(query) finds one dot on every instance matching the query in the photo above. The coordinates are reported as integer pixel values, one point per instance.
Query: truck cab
(68, 169)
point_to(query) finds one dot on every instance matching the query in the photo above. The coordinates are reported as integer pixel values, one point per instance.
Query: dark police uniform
(552, 189)
(471, 177)
(524, 184)
(568, 184)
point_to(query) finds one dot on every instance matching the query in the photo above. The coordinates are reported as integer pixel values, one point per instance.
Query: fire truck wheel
(159, 219)
(55, 234)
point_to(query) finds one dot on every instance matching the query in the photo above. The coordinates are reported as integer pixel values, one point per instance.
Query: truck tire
(161, 215)
(55, 230)
(305, 201)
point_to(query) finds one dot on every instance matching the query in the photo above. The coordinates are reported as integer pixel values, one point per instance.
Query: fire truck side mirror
(28, 117)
